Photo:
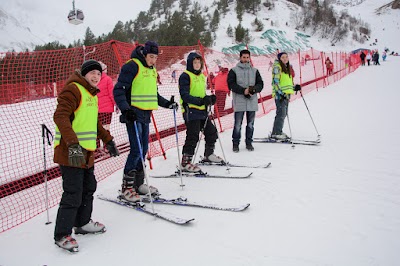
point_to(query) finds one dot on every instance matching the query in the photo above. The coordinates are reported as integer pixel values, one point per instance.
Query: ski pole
(290, 128)
(177, 144)
(310, 114)
(45, 133)
(143, 164)
(201, 135)
(220, 143)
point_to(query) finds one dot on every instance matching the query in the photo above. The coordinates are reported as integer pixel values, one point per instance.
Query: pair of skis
(202, 174)
(288, 141)
(228, 164)
(142, 207)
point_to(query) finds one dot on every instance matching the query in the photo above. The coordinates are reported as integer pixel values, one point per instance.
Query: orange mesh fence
(30, 83)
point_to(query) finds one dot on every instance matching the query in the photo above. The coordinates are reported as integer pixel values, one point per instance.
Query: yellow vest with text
(197, 89)
(285, 83)
(144, 88)
(85, 121)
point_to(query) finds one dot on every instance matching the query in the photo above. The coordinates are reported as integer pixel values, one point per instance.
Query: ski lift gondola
(75, 16)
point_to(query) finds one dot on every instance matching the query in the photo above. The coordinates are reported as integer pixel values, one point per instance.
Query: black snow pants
(76, 204)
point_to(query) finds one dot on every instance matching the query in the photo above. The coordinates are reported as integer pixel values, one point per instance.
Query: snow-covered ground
(333, 204)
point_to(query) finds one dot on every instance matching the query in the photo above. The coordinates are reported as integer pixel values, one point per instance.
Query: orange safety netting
(31, 81)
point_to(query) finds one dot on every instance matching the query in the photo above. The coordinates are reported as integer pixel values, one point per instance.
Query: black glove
(297, 87)
(130, 115)
(112, 148)
(75, 155)
(252, 90)
(209, 99)
(173, 105)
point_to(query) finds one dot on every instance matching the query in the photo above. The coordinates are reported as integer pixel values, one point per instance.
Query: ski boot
(68, 243)
(142, 188)
(210, 157)
(128, 192)
(90, 228)
(187, 165)
(281, 137)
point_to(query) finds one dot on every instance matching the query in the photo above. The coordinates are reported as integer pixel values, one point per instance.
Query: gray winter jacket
(239, 78)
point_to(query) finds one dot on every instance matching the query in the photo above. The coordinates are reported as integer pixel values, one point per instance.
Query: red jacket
(221, 81)
(105, 96)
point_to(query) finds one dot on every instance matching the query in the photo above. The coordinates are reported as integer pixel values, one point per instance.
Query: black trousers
(193, 129)
(76, 204)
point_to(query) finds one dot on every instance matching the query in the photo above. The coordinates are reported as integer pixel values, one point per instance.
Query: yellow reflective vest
(197, 89)
(85, 121)
(285, 82)
(144, 88)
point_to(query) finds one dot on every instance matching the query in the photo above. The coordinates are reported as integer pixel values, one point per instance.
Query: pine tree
(174, 31)
(215, 21)
(184, 5)
(223, 6)
(229, 31)
(297, 2)
(90, 38)
(247, 37)
(239, 10)
(258, 25)
(156, 7)
(207, 39)
(118, 33)
(56, 45)
(167, 4)
(197, 22)
(239, 33)
(251, 5)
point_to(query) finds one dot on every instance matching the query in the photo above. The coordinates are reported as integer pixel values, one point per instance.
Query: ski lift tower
(75, 16)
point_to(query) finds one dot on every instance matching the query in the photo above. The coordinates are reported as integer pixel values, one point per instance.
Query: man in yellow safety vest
(136, 95)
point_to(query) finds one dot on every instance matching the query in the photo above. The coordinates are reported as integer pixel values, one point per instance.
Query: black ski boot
(128, 191)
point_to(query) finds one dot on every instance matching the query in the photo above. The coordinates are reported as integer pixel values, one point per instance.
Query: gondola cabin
(75, 16)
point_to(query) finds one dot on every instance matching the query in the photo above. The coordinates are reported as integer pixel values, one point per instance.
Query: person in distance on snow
(329, 66)
(77, 126)
(136, 95)
(368, 57)
(245, 82)
(282, 88)
(194, 104)
(362, 57)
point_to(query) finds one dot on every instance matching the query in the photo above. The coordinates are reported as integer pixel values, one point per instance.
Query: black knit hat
(150, 48)
(90, 65)
(280, 55)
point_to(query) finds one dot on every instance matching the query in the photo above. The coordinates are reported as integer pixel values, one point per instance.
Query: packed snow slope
(333, 204)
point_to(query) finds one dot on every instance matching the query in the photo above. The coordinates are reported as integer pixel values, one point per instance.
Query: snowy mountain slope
(14, 30)
(45, 21)
(335, 204)
(385, 27)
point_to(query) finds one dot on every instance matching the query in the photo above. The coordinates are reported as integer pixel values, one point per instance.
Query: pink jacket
(221, 81)
(105, 96)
